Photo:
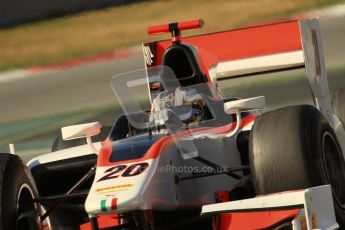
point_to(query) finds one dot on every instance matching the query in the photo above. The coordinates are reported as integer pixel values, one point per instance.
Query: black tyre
(17, 191)
(338, 104)
(295, 148)
(60, 144)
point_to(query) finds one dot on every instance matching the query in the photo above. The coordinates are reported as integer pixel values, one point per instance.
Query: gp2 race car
(195, 160)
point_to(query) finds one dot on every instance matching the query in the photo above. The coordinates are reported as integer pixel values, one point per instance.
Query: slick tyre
(295, 148)
(60, 144)
(17, 191)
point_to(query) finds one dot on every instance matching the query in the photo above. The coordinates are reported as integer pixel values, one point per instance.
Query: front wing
(314, 209)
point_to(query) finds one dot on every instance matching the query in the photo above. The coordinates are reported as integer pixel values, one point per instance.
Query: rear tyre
(60, 144)
(17, 192)
(295, 148)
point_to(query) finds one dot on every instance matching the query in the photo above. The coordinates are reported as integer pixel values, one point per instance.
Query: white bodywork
(69, 153)
(253, 103)
(128, 191)
(156, 188)
(260, 64)
(81, 131)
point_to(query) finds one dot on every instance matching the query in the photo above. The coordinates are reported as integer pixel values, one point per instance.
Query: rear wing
(254, 50)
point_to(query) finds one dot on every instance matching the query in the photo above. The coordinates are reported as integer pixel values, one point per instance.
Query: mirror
(81, 131)
(232, 107)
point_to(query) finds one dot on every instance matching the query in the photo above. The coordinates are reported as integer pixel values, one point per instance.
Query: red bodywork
(239, 43)
(233, 221)
(194, 24)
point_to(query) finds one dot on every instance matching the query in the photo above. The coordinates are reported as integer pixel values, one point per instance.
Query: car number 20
(124, 171)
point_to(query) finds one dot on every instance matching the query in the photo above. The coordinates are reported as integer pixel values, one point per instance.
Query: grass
(105, 30)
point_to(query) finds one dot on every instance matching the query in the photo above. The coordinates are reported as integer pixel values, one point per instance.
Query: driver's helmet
(175, 97)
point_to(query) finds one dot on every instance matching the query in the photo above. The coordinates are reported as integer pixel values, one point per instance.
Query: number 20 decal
(124, 171)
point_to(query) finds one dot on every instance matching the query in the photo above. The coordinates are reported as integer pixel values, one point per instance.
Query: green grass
(105, 30)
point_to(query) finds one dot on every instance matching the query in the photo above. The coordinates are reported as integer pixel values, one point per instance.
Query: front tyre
(295, 148)
(17, 192)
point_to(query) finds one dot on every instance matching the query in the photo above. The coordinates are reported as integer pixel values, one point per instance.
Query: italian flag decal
(109, 205)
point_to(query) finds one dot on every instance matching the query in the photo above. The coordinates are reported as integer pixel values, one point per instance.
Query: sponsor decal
(303, 221)
(115, 187)
(148, 55)
(112, 205)
(111, 195)
(314, 221)
(124, 171)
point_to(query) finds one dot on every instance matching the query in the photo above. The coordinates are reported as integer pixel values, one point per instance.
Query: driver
(175, 97)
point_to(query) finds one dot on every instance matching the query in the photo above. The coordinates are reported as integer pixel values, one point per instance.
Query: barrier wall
(18, 11)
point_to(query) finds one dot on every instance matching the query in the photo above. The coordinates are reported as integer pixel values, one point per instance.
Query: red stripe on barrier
(86, 60)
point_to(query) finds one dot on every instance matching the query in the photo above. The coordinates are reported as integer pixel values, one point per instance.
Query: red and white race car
(195, 159)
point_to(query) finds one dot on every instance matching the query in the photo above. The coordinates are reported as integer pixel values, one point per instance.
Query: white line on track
(13, 75)
(329, 12)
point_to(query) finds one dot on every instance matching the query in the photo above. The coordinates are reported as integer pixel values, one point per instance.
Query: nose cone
(120, 188)
(111, 202)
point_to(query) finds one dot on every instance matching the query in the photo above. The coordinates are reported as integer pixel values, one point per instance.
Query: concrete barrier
(14, 12)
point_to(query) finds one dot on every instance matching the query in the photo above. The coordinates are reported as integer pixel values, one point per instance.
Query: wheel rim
(335, 167)
(27, 215)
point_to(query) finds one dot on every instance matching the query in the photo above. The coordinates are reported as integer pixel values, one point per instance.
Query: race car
(194, 159)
